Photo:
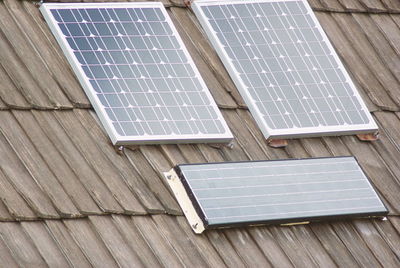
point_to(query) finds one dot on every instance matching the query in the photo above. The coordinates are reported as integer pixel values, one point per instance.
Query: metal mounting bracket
(277, 143)
(368, 137)
(184, 202)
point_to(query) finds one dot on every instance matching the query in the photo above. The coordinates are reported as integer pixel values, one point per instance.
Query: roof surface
(68, 198)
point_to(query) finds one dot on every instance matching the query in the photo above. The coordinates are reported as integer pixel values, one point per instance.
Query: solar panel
(282, 191)
(284, 67)
(136, 72)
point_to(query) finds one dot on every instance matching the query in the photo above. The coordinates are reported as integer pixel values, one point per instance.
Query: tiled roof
(69, 198)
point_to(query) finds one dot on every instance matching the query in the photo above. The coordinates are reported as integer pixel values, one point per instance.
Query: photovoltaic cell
(280, 191)
(137, 72)
(284, 67)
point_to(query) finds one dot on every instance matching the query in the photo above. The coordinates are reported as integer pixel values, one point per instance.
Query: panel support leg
(277, 143)
(368, 137)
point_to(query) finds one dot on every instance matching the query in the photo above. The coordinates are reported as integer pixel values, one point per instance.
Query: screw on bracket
(119, 149)
(230, 145)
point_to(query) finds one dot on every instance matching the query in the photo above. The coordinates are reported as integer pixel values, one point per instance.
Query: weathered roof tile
(61, 164)
(202, 244)
(115, 242)
(18, 175)
(157, 241)
(100, 162)
(373, 5)
(67, 179)
(153, 181)
(368, 54)
(388, 232)
(355, 64)
(246, 248)
(135, 240)
(386, 52)
(4, 214)
(374, 167)
(47, 52)
(376, 244)
(6, 257)
(392, 5)
(352, 5)
(66, 243)
(270, 247)
(9, 94)
(183, 247)
(357, 247)
(45, 244)
(333, 244)
(20, 245)
(90, 243)
(295, 251)
(89, 178)
(15, 204)
(310, 242)
(35, 164)
(316, 4)
(29, 59)
(129, 175)
(330, 5)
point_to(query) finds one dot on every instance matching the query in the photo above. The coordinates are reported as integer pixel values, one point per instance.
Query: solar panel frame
(116, 138)
(205, 224)
(287, 133)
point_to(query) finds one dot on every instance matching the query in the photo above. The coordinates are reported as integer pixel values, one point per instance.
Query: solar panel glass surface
(137, 72)
(285, 67)
(279, 191)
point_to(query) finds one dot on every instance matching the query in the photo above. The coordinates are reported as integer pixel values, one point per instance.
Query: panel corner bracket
(184, 202)
(368, 136)
(277, 143)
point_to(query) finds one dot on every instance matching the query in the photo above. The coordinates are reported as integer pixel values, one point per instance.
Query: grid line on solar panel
(246, 191)
(284, 66)
(137, 72)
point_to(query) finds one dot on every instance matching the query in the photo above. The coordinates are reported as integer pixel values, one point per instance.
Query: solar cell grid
(284, 66)
(137, 72)
(279, 191)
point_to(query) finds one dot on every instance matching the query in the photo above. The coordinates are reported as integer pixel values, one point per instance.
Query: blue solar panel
(284, 67)
(137, 72)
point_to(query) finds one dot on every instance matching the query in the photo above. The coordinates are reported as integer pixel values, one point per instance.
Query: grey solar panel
(281, 191)
(136, 72)
(284, 67)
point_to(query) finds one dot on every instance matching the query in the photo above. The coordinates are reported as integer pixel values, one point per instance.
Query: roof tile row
(105, 241)
(61, 163)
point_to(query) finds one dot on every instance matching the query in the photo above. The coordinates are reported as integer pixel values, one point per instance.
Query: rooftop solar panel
(136, 72)
(283, 191)
(284, 67)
